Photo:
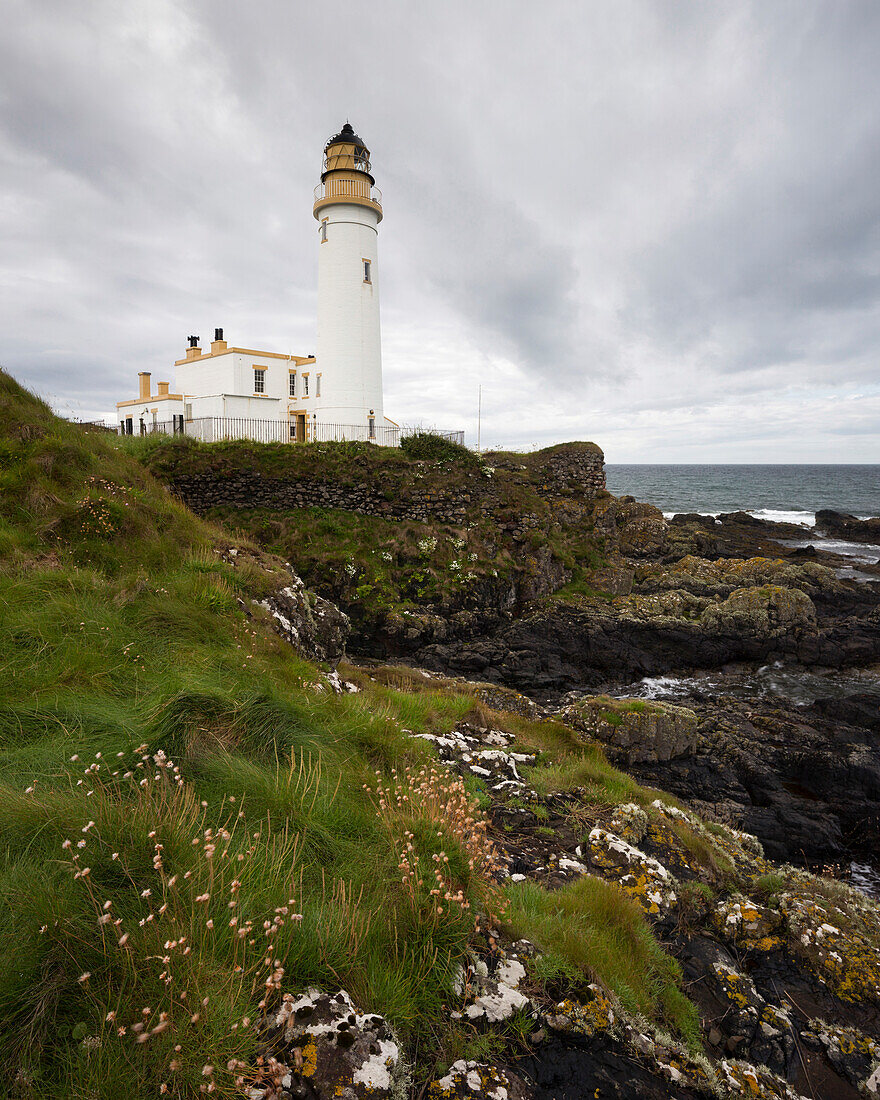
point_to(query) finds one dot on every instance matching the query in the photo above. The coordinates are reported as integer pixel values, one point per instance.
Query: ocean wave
(866, 552)
(772, 515)
(805, 519)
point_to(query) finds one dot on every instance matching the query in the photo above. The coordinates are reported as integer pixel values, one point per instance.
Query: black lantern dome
(348, 152)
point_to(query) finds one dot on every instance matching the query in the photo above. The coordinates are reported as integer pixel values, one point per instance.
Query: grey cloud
(637, 205)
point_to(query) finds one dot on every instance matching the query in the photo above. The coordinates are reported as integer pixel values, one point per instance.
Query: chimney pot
(218, 333)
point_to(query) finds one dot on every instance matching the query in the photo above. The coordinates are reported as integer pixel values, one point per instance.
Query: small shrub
(429, 447)
(769, 887)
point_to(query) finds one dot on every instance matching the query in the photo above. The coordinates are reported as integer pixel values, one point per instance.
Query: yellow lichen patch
(743, 1079)
(775, 1017)
(738, 989)
(838, 940)
(645, 879)
(848, 1040)
(750, 926)
(584, 1017)
(310, 1059)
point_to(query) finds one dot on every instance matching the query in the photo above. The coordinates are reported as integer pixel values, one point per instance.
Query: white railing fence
(215, 429)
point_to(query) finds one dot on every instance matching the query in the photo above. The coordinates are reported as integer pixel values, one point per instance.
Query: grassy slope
(201, 775)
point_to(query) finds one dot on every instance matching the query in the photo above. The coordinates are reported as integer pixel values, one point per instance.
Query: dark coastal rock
(733, 535)
(805, 785)
(569, 1068)
(844, 526)
(312, 625)
(861, 710)
(681, 519)
(561, 646)
(742, 518)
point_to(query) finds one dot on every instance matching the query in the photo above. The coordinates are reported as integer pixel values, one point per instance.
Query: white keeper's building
(233, 392)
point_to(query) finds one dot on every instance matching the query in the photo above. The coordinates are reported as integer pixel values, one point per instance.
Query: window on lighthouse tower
(367, 278)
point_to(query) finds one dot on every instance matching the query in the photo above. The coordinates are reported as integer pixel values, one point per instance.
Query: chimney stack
(144, 380)
(218, 344)
(163, 388)
(193, 351)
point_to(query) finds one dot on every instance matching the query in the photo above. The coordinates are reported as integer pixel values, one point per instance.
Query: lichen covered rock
(749, 926)
(853, 1054)
(839, 942)
(644, 878)
(313, 626)
(629, 821)
(755, 1082)
(635, 729)
(468, 1080)
(491, 996)
(323, 1047)
(586, 1015)
(720, 578)
(762, 613)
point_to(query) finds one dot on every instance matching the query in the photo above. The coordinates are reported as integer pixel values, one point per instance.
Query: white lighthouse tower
(348, 208)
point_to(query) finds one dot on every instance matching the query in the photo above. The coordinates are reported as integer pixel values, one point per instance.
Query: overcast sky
(650, 223)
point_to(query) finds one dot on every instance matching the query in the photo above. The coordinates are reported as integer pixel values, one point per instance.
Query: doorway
(297, 427)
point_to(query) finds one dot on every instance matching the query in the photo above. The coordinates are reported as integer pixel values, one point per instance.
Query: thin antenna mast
(479, 415)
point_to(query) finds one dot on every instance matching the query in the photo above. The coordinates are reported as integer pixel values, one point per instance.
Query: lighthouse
(348, 209)
(233, 391)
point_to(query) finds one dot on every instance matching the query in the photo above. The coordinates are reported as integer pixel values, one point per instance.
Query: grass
(381, 571)
(568, 765)
(389, 574)
(124, 631)
(429, 447)
(172, 773)
(591, 927)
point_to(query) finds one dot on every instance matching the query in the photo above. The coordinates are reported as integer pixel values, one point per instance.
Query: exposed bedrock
(843, 526)
(804, 780)
(560, 647)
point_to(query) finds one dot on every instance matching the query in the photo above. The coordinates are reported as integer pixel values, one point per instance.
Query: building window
(305, 385)
(318, 386)
(259, 380)
(367, 278)
(323, 230)
(292, 383)
(188, 411)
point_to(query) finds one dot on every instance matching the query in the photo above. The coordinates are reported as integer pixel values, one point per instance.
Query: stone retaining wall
(576, 471)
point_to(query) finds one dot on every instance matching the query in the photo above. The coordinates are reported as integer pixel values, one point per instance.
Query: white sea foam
(660, 687)
(866, 878)
(772, 515)
(804, 519)
(866, 552)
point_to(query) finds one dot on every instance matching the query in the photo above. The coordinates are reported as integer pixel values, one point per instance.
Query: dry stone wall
(573, 471)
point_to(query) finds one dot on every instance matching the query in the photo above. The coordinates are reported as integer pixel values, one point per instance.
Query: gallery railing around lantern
(338, 189)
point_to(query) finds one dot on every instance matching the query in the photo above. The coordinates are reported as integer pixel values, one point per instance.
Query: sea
(789, 494)
(783, 494)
